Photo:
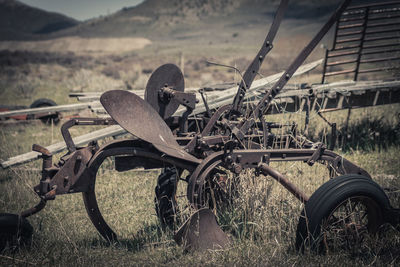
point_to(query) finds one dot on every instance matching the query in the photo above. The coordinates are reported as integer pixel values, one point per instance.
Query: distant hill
(153, 17)
(19, 21)
(159, 18)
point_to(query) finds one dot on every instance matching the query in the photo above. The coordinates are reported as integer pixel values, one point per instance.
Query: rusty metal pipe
(34, 209)
(267, 170)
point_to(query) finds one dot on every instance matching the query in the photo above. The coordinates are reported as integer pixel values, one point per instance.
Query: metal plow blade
(140, 119)
(201, 232)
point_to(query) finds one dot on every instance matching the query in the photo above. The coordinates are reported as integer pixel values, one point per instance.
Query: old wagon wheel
(44, 102)
(343, 214)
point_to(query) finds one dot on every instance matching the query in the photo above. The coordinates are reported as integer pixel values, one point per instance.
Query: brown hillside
(159, 19)
(19, 21)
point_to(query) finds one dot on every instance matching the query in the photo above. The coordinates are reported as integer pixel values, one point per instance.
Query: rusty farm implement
(213, 149)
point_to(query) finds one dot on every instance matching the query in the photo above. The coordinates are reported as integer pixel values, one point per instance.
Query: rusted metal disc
(137, 117)
(170, 75)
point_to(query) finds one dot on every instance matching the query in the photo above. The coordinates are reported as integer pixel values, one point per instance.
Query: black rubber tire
(165, 201)
(44, 102)
(15, 231)
(166, 204)
(327, 198)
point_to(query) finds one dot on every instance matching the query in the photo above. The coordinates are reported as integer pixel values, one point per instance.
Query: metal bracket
(317, 154)
(81, 121)
(186, 99)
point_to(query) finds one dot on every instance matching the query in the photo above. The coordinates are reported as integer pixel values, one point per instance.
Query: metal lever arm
(81, 121)
(254, 67)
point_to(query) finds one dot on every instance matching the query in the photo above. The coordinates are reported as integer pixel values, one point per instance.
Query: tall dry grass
(261, 220)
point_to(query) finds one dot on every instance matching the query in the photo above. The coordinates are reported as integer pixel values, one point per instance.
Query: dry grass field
(78, 45)
(261, 221)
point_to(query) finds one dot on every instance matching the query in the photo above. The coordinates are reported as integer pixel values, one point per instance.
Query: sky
(82, 9)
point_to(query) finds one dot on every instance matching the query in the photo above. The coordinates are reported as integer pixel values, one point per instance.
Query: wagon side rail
(366, 41)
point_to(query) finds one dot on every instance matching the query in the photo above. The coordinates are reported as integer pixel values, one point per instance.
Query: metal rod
(378, 46)
(380, 51)
(374, 5)
(350, 26)
(335, 36)
(346, 47)
(343, 54)
(383, 31)
(363, 60)
(348, 40)
(379, 59)
(267, 170)
(360, 71)
(386, 16)
(357, 25)
(341, 62)
(325, 65)
(378, 69)
(365, 46)
(327, 52)
(382, 38)
(362, 40)
(351, 19)
(340, 72)
(383, 24)
(348, 33)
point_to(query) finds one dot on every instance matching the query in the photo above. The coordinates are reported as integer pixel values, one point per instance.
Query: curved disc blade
(201, 232)
(137, 117)
(168, 74)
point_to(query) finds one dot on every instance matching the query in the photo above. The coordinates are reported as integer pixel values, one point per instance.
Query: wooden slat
(60, 146)
(52, 109)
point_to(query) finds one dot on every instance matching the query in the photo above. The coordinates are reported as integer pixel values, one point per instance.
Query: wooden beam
(50, 110)
(60, 146)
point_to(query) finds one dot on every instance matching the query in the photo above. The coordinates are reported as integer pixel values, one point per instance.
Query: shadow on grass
(365, 134)
(5, 179)
(150, 235)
